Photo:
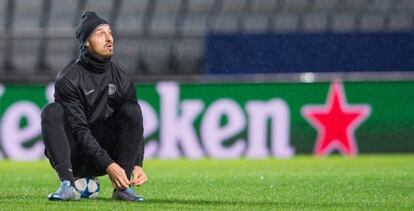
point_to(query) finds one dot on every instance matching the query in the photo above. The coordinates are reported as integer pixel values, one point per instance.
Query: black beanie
(89, 21)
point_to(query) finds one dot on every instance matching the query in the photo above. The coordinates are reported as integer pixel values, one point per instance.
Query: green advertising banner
(233, 120)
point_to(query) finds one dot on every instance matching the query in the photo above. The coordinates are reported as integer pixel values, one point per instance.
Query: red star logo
(336, 122)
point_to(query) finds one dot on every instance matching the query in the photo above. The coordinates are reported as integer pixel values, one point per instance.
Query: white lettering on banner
(50, 92)
(259, 112)
(150, 126)
(13, 136)
(177, 123)
(1, 94)
(213, 134)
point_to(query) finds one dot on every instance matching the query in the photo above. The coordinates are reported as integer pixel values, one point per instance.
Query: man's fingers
(123, 180)
(141, 179)
(120, 184)
(138, 176)
(134, 175)
(124, 183)
(135, 180)
(117, 184)
(118, 176)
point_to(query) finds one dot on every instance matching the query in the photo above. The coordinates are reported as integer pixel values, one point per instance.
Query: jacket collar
(93, 63)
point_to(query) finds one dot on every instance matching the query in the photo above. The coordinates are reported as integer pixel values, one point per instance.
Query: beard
(103, 53)
(107, 55)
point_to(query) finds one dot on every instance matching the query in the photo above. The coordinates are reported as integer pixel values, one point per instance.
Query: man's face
(101, 42)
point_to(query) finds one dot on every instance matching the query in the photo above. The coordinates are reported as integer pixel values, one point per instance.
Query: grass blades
(373, 182)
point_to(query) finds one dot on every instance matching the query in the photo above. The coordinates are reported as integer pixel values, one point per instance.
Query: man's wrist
(140, 163)
(107, 167)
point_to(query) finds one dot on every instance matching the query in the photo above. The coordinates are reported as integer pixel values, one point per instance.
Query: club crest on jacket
(111, 89)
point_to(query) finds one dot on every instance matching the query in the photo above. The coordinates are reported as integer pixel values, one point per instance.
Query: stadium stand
(164, 37)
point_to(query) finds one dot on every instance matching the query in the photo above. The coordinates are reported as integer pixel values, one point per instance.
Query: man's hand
(138, 176)
(118, 177)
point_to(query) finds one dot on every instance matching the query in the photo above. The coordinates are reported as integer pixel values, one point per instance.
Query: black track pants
(121, 136)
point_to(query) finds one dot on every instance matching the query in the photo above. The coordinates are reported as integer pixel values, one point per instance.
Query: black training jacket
(89, 93)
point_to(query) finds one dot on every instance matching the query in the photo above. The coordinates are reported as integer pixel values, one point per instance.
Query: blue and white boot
(66, 192)
(127, 195)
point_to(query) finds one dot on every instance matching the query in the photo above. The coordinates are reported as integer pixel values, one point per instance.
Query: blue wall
(325, 52)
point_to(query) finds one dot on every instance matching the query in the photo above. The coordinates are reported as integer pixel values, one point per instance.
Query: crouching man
(95, 125)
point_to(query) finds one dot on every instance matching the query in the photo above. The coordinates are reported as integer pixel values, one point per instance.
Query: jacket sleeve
(66, 94)
(131, 96)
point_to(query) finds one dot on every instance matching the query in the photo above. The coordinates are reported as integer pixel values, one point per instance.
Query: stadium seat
(189, 53)
(156, 54)
(195, 25)
(24, 59)
(225, 23)
(60, 53)
(200, 7)
(2, 41)
(131, 16)
(103, 8)
(315, 22)
(379, 6)
(170, 7)
(403, 5)
(257, 23)
(232, 7)
(3, 16)
(163, 24)
(27, 14)
(400, 22)
(126, 58)
(62, 13)
(296, 5)
(372, 23)
(343, 22)
(324, 5)
(266, 7)
(285, 22)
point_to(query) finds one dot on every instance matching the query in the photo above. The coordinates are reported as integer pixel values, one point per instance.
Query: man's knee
(131, 112)
(52, 113)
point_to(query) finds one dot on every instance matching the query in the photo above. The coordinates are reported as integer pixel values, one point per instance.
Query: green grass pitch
(367, 182)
